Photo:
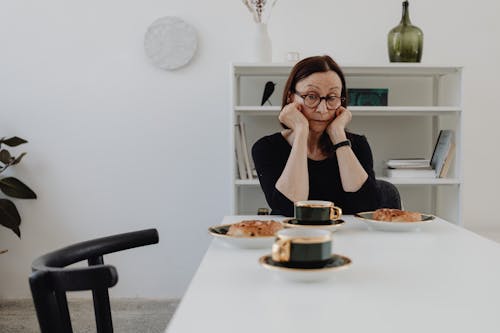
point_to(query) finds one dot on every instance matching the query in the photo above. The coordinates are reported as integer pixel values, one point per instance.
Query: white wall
(118, 145)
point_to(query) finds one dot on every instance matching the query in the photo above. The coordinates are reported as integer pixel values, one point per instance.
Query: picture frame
(367, 96)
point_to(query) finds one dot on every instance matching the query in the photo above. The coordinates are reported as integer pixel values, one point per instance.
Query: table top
(442, 278)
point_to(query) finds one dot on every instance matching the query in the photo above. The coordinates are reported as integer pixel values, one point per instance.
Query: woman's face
(320, 84)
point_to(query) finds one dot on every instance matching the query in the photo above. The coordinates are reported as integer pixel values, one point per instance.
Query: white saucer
(332, 225)
(336, 262)
(393, 226)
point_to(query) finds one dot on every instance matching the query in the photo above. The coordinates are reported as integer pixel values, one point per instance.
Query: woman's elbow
(355, 186)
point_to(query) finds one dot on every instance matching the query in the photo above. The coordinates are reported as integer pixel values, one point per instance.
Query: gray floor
(129, 315)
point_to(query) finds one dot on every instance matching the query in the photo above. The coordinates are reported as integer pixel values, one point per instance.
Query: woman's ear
(289, 97)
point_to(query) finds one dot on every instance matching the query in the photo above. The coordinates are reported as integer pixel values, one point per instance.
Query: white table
(441, 279)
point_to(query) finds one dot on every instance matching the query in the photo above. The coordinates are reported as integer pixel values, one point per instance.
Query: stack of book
(410, 168)
(437, 167)
(244, 164)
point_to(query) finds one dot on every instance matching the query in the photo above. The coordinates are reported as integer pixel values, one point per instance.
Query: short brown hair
(301, 70)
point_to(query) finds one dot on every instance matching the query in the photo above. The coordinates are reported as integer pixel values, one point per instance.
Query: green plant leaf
(9, 216)
(13, 141)
(5, 156)
(18, 159)
(13, 187)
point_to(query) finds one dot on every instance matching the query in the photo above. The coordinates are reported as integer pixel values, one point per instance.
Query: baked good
(254, 228)
(396, 215)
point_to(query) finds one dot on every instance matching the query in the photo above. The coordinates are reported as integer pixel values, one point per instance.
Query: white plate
(257, 242)
(337, 262)
(393, 226)
(332, 225)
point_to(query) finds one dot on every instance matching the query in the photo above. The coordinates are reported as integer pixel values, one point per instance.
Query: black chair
(388, 194)
(50, 279)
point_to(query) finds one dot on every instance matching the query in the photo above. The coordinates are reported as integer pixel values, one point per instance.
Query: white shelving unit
(422, 100)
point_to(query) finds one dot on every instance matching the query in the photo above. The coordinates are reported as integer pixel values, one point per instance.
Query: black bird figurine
(268, 91)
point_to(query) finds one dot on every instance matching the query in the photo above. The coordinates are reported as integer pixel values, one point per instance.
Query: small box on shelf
(263, 211)
(367, 96)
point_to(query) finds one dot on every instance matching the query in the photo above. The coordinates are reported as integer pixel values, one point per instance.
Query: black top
(270, 155)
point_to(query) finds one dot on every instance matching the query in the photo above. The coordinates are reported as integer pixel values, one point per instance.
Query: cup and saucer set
(303, 251)
(316, 214)
(304, 255)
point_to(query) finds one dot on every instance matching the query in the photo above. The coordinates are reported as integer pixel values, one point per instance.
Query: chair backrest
(51, 279)
(388, 195)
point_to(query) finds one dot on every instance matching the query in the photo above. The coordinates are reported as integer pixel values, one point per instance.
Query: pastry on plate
(254, 228)
(396, 215)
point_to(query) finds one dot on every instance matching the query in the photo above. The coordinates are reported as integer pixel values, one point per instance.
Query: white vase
(262, 44)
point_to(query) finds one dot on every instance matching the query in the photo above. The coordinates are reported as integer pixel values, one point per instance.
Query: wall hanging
(170, 42)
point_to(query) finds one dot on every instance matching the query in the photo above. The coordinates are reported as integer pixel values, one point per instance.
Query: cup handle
(335, 213)
(281, 250)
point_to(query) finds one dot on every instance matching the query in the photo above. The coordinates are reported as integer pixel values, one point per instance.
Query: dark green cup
(301, 247)
(316, 212)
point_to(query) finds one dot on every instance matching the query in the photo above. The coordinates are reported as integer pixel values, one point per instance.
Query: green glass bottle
(405, 41)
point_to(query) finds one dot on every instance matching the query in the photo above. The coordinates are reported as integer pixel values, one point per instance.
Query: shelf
(424, 98)
(395, 181)
(257, 110)
(361, 110)
(395, 69)
(421, 181)
(246, 182)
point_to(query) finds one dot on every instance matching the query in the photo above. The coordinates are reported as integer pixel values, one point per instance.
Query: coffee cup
(316, 212)
(301, 247)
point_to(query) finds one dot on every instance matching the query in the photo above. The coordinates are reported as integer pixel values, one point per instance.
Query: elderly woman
(314, 157)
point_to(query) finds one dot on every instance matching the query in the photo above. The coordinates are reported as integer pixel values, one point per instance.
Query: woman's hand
(336, 129)
(291, 115)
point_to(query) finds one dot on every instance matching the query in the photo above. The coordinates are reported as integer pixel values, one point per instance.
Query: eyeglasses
(313, 100)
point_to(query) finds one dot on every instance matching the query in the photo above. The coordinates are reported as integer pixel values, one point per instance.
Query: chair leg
(46, 304)
(102, 308)
(62, 304)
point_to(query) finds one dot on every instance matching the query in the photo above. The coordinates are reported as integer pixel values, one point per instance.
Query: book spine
(239, 153)
(245, 151)
(441, 150)
(447, 162)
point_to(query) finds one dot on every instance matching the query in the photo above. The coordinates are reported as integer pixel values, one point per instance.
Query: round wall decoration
(170, 42)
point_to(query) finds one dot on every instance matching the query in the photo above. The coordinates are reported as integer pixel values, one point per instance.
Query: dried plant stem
(257, 8)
